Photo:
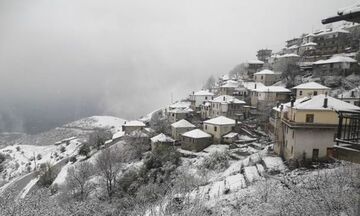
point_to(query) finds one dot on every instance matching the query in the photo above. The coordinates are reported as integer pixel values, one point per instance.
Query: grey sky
(127, 57)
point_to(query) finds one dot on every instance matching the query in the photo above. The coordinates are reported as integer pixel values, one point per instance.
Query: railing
(348, 128)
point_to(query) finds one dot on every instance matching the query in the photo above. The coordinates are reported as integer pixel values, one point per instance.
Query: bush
(73, 159)
(17, 148)
(84, 150)
(62, 149)
(2, 158)
(38, 157)
(47, 175)
(216, 161)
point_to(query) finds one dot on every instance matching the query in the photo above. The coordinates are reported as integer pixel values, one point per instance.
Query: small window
(205, 127)
(292, 149)
(315, 93)
(262, 77)
(205, 98)
(300, 93)
(309, 118)
(215, 128)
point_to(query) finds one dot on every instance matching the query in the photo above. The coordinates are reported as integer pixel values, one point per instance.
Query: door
(315, 154)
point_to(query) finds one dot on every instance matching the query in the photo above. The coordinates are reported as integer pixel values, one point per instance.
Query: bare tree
(109, 166)
(99, 137)
(210, 83)
(77, 180)
(135, 145)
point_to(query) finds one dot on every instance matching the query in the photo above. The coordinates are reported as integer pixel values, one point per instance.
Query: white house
(199, 97)
(310, 89)
(219, 126)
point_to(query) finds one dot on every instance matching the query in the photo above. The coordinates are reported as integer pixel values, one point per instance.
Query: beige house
(180, 127)
(310, 89)
(130, 126)
(218, 127)
(161, 141)
(267, 77)
(225, 105)
(195, 140)
(268, 96)
(308, 127)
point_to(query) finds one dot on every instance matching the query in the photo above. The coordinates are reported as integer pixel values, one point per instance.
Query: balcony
(348, 137)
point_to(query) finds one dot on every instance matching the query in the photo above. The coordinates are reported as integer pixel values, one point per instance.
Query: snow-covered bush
(216, 161)
(84, 150)
(62, 149)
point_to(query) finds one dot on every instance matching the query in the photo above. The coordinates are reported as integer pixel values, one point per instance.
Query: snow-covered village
(279, 134)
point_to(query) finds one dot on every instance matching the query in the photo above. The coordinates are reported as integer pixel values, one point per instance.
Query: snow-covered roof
(309, 44)
(203, 93)
(336, 59)
(353, 93)
(287, 105)
(251, 85)
(310, 85)
(181, 110)
(263, 72)
(182, 124)
(317, 103)
(118, 135)
(221, 120)
(272, 89)
(227, 99)
(348, 10)
(255, 61)
(289, 55)
(332, 32)
(225, 77)
(134, 123)
(230, 84)
(196, 133)
(162, 138)
(351, 9)
(138, 133)
(293, 47)
(180, 104)
(231, 135)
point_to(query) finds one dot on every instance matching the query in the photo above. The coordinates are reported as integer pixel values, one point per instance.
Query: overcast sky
(127, 57)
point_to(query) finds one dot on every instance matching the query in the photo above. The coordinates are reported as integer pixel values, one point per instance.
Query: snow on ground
(251, 174)
(22, 158)
(107, 122)
(274, 163)
(60, 179)
(216, 148)
(235, 182)
(28, 187)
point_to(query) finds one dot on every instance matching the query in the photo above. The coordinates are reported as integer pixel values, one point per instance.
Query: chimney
(281, 107)
(292, 101)
(325, 102)
(193, 92)
(352, 93)
(255, 86)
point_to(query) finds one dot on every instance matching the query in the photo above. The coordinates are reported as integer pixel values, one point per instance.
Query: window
(292, 149)
(262, 77)
(300, 93)
(205, 98)
(215, 128)
(205, 127)
(315, 93)
(309, 118)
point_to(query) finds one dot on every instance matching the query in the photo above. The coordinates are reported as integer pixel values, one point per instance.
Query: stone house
(218, 127)
(180, 127)
(267, 77)
(268, 96)
(337, 66)
(130, 126)
(195, 140)
(161, 141)
(225, 105)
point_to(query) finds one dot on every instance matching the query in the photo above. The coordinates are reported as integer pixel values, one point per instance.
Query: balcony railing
(348, 128)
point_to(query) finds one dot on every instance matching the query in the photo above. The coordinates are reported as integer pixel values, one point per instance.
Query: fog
(61, 60)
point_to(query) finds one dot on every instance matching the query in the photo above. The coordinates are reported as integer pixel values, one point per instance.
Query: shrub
(38, 157)
(47, 175)
(216, 161)
(2, 158)
(17, 148)
(84, 150)
(62, 149)
(73, 159)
